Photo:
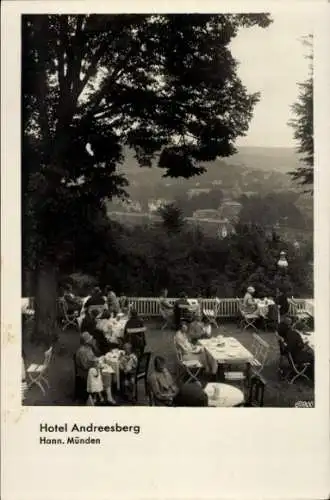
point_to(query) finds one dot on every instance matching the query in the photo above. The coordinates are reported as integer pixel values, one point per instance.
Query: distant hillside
(277, 159)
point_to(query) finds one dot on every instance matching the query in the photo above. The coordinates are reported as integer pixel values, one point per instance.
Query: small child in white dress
(95, 384)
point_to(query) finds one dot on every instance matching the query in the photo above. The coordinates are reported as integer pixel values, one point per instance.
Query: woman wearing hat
(249, 303)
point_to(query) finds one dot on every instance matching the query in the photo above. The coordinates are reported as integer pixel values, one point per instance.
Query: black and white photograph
(167, 210)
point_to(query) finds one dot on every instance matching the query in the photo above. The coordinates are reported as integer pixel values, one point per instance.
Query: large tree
(303, 126)
(92, 85)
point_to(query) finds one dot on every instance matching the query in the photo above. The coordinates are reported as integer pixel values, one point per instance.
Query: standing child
(95, 384)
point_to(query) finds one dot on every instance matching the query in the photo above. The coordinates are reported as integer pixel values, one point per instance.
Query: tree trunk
(45, 330)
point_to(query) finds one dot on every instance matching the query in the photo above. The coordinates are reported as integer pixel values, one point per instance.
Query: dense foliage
(141, 261)
(164, 86)
(303, 126)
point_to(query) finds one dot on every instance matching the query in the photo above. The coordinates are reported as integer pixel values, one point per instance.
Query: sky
(272, 61)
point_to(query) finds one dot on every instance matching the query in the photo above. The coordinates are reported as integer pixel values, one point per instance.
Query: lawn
(61, 371)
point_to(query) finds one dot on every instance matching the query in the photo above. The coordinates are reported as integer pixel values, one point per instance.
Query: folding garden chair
(142, 373)
(212, 314)
(167, 315)
(298, 371)
(191, 367)
(260, 350)
(299, 316)
(67, 319)
(136, 337)
(37, 373)
(256, 392)
(247, 319)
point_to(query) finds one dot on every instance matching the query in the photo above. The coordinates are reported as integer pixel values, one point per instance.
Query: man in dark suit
(299, 351)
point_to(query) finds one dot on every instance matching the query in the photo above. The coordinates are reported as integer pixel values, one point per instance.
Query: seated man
(299, 351)
(182, 310)
(196, 329)
(163, 301)
(128, 364)
(73, 302)
(191, 395)
(137, 340)
(96, 298)
(162, 384)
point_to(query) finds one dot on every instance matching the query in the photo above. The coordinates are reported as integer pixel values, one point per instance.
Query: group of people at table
(106, 342)
(105, 324)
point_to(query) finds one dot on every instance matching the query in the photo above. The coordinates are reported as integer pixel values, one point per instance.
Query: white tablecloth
(309, 306)
(228, 395)
(263, 307)
(112, 359)
(226, 350)
(308, 338)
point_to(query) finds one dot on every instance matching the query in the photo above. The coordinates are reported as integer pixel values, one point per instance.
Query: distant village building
(155, 205)
(197, 191)
(206, 214)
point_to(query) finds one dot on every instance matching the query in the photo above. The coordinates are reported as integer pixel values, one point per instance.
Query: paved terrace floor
(160, 342)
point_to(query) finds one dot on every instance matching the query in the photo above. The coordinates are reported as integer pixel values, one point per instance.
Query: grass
(160, 342)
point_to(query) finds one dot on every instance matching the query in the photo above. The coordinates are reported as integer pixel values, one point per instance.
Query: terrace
(160, 342)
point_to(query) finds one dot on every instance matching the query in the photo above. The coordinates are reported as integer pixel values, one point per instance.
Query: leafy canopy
(163, 85)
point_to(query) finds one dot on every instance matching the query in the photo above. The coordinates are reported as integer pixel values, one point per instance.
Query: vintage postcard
(165, 250)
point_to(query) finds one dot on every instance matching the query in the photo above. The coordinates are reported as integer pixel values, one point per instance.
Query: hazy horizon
(272, 61)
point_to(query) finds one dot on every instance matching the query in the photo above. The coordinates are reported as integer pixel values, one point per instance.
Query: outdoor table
(226, 350)
(227, 395)
(263, 306)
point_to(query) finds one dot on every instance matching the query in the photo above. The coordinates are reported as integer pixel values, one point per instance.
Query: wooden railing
(224, 308)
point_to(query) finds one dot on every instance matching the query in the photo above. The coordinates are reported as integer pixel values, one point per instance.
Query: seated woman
(85, 359)
(113, 301)
(162, 384)
(190, 351)
(128, 364)
(207, 327)
(136, 339)
(191, 395)
(249, 303)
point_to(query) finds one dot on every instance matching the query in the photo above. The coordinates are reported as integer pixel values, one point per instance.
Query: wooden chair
(67, 319)
(256, 392)
(247, 319)
(141, 373)
(260, 350)
(294, 370)
(136, 337)
(212, 313)
(37, 374)
(191, 367)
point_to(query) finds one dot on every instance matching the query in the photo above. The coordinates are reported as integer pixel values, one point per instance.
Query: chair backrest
(256, 391)
(260, 349)
(48, 356)
(141, 329)
(143, 364)
(282, 344)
